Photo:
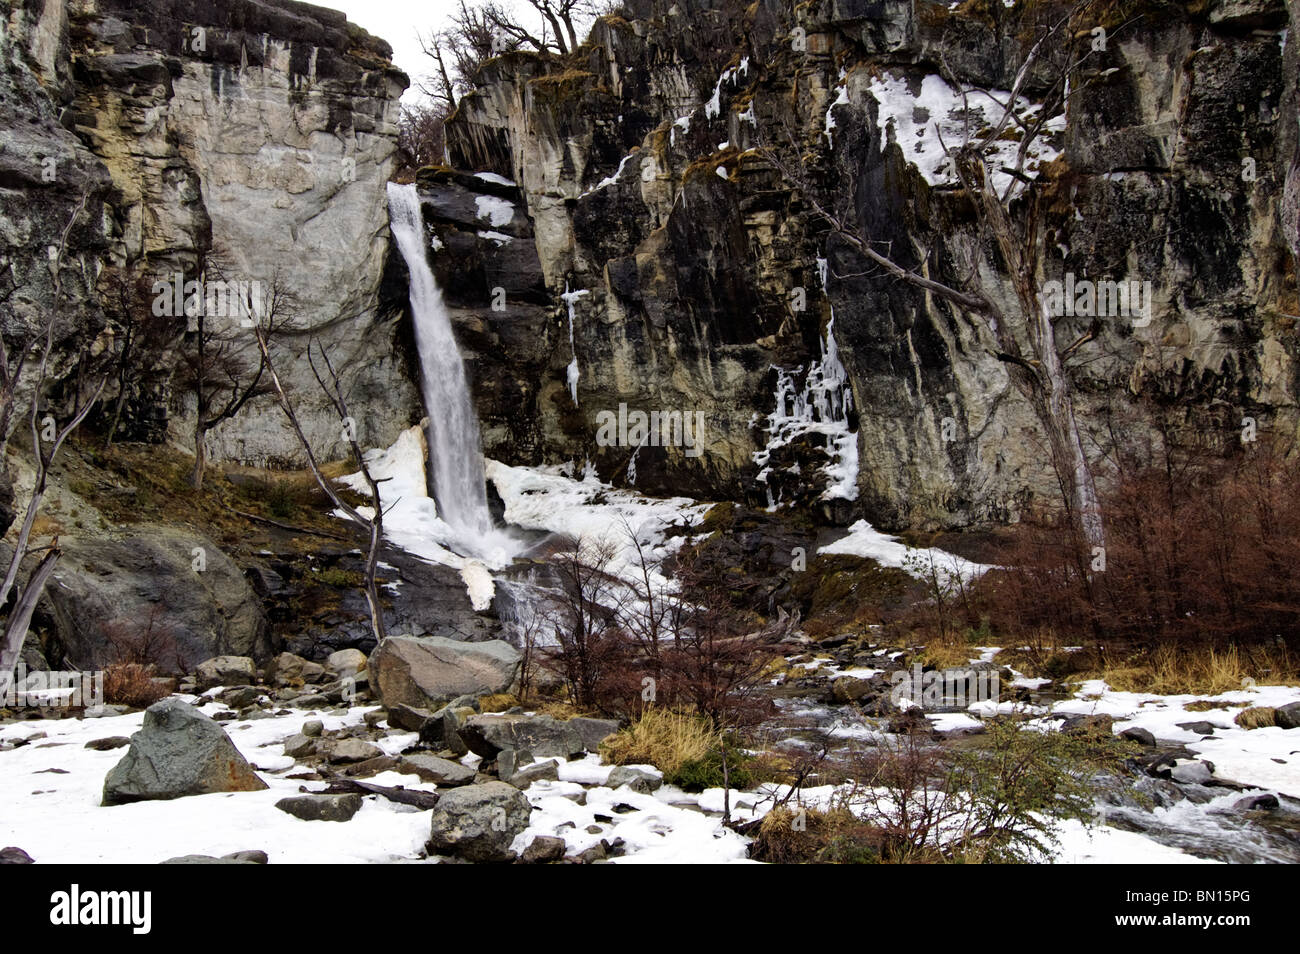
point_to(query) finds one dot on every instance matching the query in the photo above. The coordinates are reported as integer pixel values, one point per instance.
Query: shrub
(813, 836)
(663, 738)
(131, 684)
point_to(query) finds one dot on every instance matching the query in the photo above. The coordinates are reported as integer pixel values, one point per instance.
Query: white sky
(403, 22)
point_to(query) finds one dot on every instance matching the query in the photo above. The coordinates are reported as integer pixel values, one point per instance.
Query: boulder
(299, 746)
(1139, 735)
(226, 671)
(1255, 803)
(143, 578)
(593, 731)
(346, 662)
(333, 808)
(637, 779)
(108, 744)
(431, 768)
(287, 669)
(348, 750)
(1287, 716)
(406, 717)
(1200, 728)
(427, 672)
(479, 822)
(15, 856)
(543, 850)
(178, 751)
(544, 771)
(486, 735)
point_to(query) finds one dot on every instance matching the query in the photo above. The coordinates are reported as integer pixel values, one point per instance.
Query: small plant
(663, 738)
(132, 684)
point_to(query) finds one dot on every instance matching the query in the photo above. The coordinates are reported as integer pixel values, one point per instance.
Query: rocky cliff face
(259, 133)
(699, 271)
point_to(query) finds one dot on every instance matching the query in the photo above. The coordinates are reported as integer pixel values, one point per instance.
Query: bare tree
(1025, 336)
(219, 363)
(371, 525)
(47, 440)
(141, 340)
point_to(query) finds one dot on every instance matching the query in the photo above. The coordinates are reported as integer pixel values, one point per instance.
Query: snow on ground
(863, 540)
(56, 817)
(1080, 844)
(1267, 758)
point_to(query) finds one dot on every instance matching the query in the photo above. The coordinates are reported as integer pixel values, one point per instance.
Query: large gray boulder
(427, 672)
(487, 735)
(226, 671)
(179, 751)
(168, 581)
(478, 822)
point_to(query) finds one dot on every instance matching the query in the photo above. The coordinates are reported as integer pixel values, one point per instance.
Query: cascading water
(455, 457)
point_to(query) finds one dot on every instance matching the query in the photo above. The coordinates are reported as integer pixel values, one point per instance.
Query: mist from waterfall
(455, 455)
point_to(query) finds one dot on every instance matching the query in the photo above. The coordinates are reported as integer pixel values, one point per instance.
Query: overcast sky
(401, 23)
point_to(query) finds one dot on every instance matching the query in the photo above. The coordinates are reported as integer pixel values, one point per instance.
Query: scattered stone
(241, 697)
(312, 728)
(1139, 735)
(1252, 803)
(108, 744)
(381, 763)
(349, 750)
(546, 771)
(427, 672)
(1200, 728)
(178, 751)
(479, 822)
(851, 689)
(207, 860)
(347, 662)
(410, 718)
(1100, 724)
(442, 772)
(593, 731)
(486, 735)
(299, 746)
(311, 701)
(333, 808)
(509, 761)
(637, 779)
(226, 671)
(543, 850)
(1287, 716)
(375, 717)
(1199, 772)
(288, 669)
(15, 856)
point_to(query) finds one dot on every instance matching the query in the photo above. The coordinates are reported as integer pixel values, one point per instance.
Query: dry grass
(947, 652)
(812, 836)
(662, 738)
(1256, 717)
(498, 702)
(1197, 671)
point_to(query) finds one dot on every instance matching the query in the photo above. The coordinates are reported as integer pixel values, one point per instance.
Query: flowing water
(455, 456)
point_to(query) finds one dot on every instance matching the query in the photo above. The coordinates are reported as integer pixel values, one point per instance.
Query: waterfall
(455, 456)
